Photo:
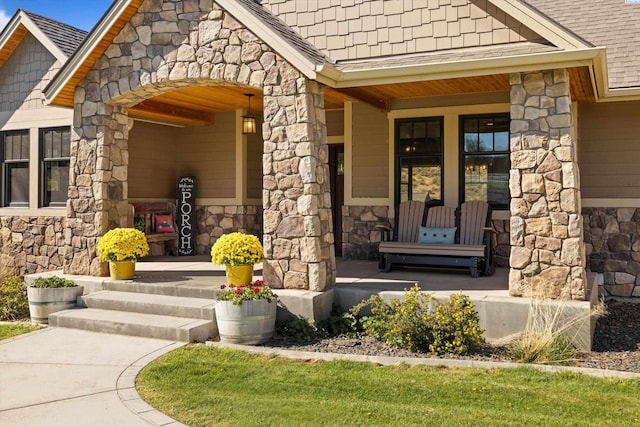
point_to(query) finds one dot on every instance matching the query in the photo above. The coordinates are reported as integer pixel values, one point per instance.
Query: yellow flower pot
(122, 270)
(239, 274)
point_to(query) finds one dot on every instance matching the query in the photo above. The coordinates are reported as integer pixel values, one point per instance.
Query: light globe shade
(248, 124)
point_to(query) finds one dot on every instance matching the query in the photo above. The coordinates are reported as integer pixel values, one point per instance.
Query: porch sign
(186, 215)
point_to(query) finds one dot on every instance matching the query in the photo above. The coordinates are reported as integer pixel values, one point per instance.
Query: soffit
(197, 105)
(66, 94)
(12, 42)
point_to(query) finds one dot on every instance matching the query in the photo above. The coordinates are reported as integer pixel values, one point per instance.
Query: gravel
(616, 344)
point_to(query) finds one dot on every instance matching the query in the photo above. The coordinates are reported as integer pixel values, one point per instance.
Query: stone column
(97, 182)
(547, 248)
(298, 234)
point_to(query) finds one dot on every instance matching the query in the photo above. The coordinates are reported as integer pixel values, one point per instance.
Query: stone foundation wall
(360, 238)
(214, 221)
(612, 244)
(31, 244)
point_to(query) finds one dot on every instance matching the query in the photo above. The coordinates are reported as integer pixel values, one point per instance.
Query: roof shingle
(614, 24)
(66, 37)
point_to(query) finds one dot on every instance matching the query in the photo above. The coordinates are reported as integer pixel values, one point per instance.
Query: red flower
(223, 286)
(256, 290)
(259, 283)
(238, 291)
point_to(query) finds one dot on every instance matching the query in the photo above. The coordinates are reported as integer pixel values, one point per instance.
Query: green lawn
(8, 330)
(202, 386)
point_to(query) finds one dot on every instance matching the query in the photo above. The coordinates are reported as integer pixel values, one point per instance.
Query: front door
(336, 172)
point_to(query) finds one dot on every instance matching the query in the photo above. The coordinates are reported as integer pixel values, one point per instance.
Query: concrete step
(167, 305)
(136, 324)
(173, 288)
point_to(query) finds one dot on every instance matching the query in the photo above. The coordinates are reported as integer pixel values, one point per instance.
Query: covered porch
(197, 279)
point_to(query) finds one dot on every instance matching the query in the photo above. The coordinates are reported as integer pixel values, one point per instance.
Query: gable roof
(66, 37)
(614, 24)
(522, 37)
(59, 38)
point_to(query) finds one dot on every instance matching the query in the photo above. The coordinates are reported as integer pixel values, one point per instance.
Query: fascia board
(9, 29)
(88, 45)
(411, 73)
(539, 23)
(22, 18)
(264, 33)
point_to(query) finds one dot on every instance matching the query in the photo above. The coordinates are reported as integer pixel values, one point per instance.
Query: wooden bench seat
(143, 215)
(471, 247)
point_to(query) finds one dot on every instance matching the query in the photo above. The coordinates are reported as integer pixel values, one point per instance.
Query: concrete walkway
(67, 377)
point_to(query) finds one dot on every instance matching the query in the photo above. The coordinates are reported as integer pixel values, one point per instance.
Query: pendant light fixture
(248, 121)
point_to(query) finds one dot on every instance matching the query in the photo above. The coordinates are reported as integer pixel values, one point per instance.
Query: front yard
(201, 386)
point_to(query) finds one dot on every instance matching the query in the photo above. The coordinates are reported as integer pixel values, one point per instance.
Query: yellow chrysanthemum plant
(237, 249)
(122, 244)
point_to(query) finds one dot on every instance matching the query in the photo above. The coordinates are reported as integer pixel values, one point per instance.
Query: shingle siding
(25, 74)
(362, 29)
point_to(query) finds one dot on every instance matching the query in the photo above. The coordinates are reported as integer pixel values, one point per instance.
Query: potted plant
(47, 295)
(238, 252)
(246, 314)
(121, 247)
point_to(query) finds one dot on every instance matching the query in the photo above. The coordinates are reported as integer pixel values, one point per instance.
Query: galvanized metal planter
(44, 301)
(250, 323)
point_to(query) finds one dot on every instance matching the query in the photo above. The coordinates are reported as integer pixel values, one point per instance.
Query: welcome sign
(186, 213)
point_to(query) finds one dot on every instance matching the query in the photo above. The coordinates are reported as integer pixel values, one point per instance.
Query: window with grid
(15, 168)
(419, 151)
(55, 154)
(485, 160)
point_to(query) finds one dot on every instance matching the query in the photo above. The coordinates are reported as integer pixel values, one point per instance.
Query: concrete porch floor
(500, 315)
(350, 273)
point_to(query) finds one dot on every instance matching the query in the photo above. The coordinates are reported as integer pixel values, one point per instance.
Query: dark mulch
(616, 344)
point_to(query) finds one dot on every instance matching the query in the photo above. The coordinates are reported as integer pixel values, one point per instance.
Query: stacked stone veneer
(501, 242)
(612, 242)
(214, 221)
(174, 44)
(547, 252)
(360, 233)
(31, 244)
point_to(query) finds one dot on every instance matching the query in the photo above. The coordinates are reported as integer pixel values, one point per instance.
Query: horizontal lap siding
(609, 143)
(370, 129)
(209, 154)
(152, 161)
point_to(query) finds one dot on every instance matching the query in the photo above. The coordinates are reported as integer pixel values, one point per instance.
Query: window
(419, 148)
(55, 152)
(485, 159)
(15, 168)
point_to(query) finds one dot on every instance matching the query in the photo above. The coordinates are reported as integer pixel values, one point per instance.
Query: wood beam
(364, 95)
(160, 111)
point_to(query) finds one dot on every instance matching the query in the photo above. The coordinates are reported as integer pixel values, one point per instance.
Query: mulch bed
(616, 344)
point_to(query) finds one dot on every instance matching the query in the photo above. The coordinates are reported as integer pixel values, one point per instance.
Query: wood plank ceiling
(197, 105)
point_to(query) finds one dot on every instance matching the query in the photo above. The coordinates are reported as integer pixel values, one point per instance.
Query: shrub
(13, 298)
(456, 328)
(340, 323)
(53, 282)
(300, 330)
(422, 324)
